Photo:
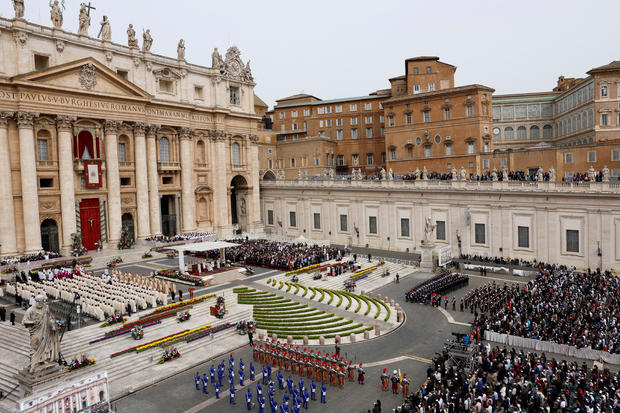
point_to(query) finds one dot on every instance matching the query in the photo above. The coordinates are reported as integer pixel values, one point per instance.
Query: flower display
(304, 269)
(180, 304)
(78, 363)
(169, 355)
(113, 319)
(178, 277)
(122, 331)
(184, 316)
(137, 333)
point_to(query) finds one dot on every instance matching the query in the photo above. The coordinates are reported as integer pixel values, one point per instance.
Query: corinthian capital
(139, 128)
(26, 119)
(4, 118)
(64, 123)
(186, 133)
(217, 135)
(111, 127)
(151, 131)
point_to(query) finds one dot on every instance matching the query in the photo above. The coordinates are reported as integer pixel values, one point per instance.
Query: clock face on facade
(235, 68)
(495, 131)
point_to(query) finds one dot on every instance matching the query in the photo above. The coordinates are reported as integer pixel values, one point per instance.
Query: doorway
(239, 202)
(90, 220)
(49, 235)
(168, 215)
(127, 222)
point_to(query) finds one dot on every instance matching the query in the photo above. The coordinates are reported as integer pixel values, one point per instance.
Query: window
(369, 132)
(42, 150)
(431, 87)
(339, 134)
(282, 115)
(534, 132)
(391, 120)
(328, 123)
(427, 116)
(343, 223)
(270, 163)
(615, 154)
(122, 153)
(485, 164)
(427, 151)
(164, 150)
(198, 93)
(523, 237)
(372, 225)
(404, 227)
(46, 182)
(368, 119)
(353, 107)
(41, 62)
(448, 149)
(508, 133)
(521, 132)
(392, 154)
(292, 219)
(370, 159)
(486, 147)
(295, 126)
(166, 180)
(307, 112)
(382, 119)
(355, 159)
(125, 181)
(338, 109)
(440, 230)
(234, 95)
(547, 131)
(416, 88)
(321, 123)
(367, 106)
(572, 240)
(292, 162)
(340, 160)
(293, 114)
(317, 220)
(604, 119)
(470, 148)
(446, 114)
(166, 86)
(591, 156)
(568, 158)
(382, 131)
(603, 91)
(415, 71)
(338, 122)
(354, 133)
(270, 217)
(296, 137)
(469, 111)
(428, 69)
(235, 150)
(480, 234)
(353, 121)
(504, 162)
(408, 119)
(316, 162)
(123, 73)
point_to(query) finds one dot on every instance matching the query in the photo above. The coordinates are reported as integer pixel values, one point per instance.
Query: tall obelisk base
(426, 262)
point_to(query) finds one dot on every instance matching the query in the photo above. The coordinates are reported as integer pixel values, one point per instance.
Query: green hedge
(310, 328)
(313, 292)
(324, 323)
(322, 291)
(331, 296)
(289, 321)
(309, 313)
(367, 301)
(303, 287)
(318, 332)
(281, 285)
(340, 297)
(242, 289)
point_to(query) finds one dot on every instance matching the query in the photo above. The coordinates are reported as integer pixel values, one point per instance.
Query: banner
(92, 174)
(445, 255)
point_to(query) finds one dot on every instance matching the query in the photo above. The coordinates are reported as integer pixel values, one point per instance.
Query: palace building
(96, 136)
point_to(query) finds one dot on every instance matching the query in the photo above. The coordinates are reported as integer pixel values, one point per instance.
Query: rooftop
(327, 102)
(613, 66)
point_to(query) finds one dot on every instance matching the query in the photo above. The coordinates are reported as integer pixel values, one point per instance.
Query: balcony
(47, 165)
(168, 166)
(126, 165)
(78, 164)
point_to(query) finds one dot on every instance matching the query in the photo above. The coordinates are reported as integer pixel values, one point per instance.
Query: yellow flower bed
(366, 270)
(311, 267)
(174, 337)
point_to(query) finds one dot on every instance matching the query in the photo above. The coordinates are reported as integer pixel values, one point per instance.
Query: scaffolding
(462, 355)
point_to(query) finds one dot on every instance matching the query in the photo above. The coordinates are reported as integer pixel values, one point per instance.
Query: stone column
(220, 184)
(153, 180)
(30, 183)
(114, 185)
(142, 188)
(66, 175)
(254, 193)
(7, 208)
(187, 185)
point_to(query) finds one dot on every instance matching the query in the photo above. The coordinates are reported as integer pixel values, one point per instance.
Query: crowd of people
(189, 236)
(510, 381)
(561, 305)
(431, 291)
(503, 261)
(584, 177)
(37, 256)
(282, 256)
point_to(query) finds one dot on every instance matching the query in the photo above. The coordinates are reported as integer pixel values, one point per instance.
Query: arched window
(534, 132)
(236, 154)
(521, 132)
(509, 133)
(547, 131)
(200, 152)
(164, 150)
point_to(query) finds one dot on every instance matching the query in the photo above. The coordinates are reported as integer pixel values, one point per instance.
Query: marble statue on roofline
(56, 14)
(84, 21)
(18, 6)
(147, 41)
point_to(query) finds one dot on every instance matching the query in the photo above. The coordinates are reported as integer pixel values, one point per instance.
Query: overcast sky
(343, 48)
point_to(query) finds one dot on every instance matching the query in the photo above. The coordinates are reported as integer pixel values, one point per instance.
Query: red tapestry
(92, 174)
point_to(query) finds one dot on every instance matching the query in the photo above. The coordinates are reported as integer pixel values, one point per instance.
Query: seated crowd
(190, 236)
(38, 256)
(503, 261)
(510, 381)
(272, 254)
(561, 305)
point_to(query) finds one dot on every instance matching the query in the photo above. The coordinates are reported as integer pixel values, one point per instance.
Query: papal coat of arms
(88, 76)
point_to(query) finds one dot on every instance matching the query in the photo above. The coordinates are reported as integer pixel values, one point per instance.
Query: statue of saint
(494, 175)
(18, 5)
(44, 339)
(242, 206)
(605, 174)
(390, 174)
(552, 174)
(181, 50)
(591, 173)
(84, 21)
(463, 173)
(247, 73)
(424, 173)
(540, 174)
(147, 41)
(106, 29)
(383, 174)
(131, 37)
(429, 227)
(216, 60)
(56, 14)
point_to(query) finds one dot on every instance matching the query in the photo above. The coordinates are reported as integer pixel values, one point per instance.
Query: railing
(168, 166)
(125, 164)
(47, 164)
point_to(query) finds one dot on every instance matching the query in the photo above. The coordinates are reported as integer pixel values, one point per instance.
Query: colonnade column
(254, 207)
(30, 183)
(187, 185)
(8, 243)
(153, 180)
(66, 175)
(114, 185)
(220, 183)
(142, 189)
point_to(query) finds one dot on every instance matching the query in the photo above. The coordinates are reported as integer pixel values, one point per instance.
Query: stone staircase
(14, 347)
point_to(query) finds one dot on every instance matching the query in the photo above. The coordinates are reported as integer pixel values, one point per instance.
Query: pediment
(85, 75)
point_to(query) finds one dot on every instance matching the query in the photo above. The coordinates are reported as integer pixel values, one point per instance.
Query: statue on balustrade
(605, 174)
(429, 227)
(44, 339)
(56, 14)
(552, 174)
(18, 5)
(84, 22)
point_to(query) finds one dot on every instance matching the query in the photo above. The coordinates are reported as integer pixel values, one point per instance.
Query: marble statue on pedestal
(417, 173)
(56, 14)
(455, 173)
(106, 29)
(591, 173)
(84, 22)
(147, 41)
(429, 227)
(131, 37)
(383, 174)
(18, 5)
(494, 175)
(390, 175)
(44, 339)
(605, 174)
(463, 174)
(216, 60)
(424, 173)
(181, 50)
(539, 174)
(552, 174)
